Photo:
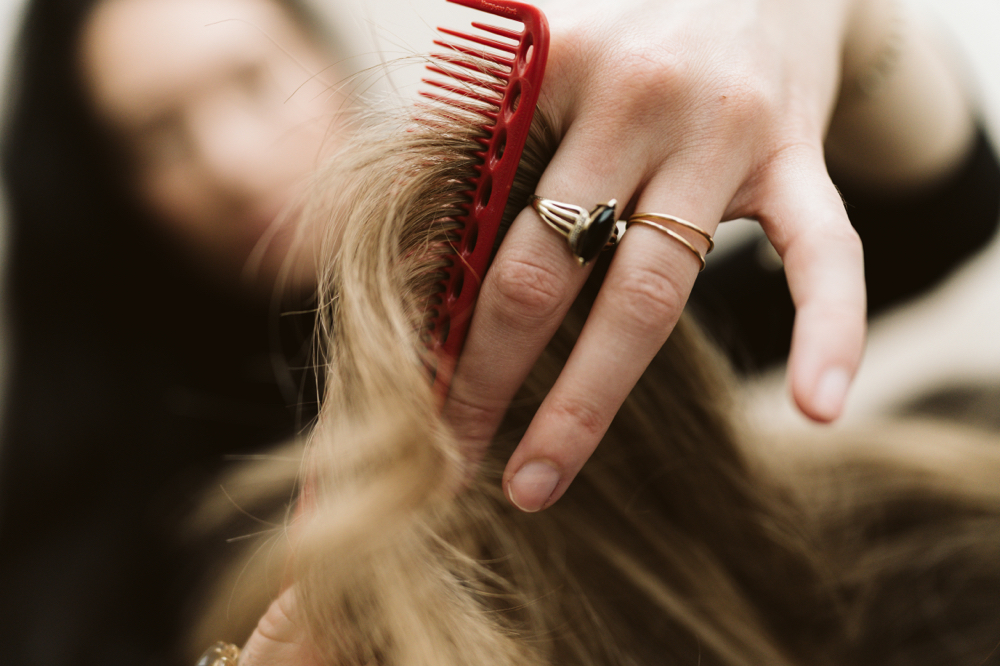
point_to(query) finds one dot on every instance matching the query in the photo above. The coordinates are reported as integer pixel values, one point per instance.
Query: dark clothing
(108, 445)
(131, 379)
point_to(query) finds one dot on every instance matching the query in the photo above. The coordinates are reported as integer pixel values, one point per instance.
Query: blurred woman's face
(221, 114)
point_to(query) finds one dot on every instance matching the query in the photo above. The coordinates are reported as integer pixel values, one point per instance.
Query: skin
(280, 639)
(706, 110)
(719, 113)
(217, 109)
(709, 110)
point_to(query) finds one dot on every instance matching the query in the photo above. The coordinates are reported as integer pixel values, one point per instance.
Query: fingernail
(831, 391)
(533, 485)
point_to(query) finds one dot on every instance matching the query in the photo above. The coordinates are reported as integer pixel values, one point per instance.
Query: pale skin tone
(222, 116)
(704, 110)
(710, 111)
(719, 113)
(279, 639)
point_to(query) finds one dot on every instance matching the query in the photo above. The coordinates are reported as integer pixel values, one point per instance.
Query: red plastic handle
(501, 154)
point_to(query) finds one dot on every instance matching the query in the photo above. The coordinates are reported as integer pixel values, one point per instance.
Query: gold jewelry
(676, 220)
(220, 654)
(586, 232)
(653, 220)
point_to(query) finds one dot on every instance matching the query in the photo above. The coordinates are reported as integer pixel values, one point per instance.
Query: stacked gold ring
(655, 221)
(589, 232)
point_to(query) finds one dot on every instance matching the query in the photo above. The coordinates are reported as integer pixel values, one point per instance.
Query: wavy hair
(679, 543)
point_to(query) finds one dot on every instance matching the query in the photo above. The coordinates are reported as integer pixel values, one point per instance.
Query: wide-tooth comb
(496, 75)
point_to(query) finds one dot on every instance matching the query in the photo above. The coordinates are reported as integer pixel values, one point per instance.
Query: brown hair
(674, 546)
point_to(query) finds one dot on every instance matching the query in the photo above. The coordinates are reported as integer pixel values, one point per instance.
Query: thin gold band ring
(676, 236)
(678, 221)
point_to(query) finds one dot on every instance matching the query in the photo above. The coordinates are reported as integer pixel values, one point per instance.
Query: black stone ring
(587, 233)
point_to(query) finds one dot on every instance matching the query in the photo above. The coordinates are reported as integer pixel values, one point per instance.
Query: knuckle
(472, 417)
(649, 67)
(637, 83)
(847, 236)
(650, 297)
(834, 313)
(277, 624)
(582, 415)
(834, 234)
(529, 292)
(744, 100)
(652, 77)
(795, 152)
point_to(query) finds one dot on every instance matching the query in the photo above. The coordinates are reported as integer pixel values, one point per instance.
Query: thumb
(280, 638)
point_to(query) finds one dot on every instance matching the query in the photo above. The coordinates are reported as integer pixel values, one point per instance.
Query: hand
(279, 639)
(707, 110)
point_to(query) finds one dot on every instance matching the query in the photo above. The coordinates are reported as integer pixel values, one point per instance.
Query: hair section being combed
(675, 545)
(399, 562)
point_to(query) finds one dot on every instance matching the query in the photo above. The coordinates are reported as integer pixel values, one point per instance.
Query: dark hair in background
(131, 377)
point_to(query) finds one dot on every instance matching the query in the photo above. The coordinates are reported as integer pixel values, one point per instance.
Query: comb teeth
(481, 69)
(496, 30)
(465, 78)
(475, 74)
(482, 41)
(468, 91)
(459, 104)
(477, 53)
(488, 79)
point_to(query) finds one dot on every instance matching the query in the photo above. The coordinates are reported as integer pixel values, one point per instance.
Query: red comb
(507, 103)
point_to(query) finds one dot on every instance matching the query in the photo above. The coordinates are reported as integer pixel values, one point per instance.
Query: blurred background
(215, 396)
(940, 352)
(948, 337)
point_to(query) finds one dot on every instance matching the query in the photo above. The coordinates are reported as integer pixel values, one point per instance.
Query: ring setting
(587, 232)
